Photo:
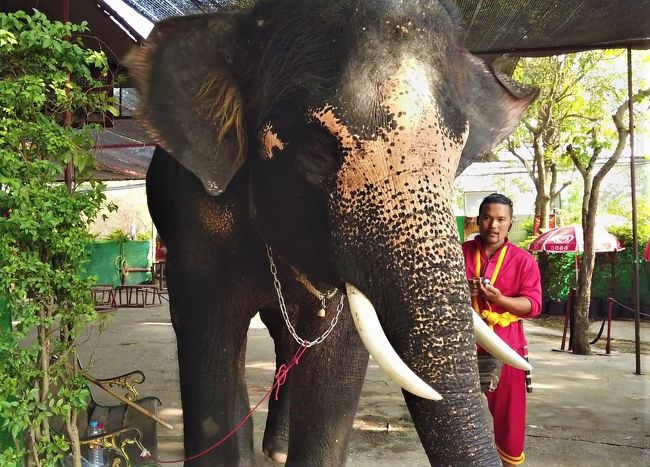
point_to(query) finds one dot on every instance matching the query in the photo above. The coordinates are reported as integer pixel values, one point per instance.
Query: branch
(512, 151)
(576, 161)
(564, 185)
(623, 132)
(594, 158)
(534, 130)
(591, 119)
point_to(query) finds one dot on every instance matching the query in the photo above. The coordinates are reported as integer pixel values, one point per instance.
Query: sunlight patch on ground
(589, 376)
(261, 366)
(157, 324)
(548, 386)
(172, 412)
(380, 425)
(549, 363)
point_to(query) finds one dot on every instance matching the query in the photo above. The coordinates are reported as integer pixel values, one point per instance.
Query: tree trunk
(543, 199)
(73, 433)
(583, 293)
(544, 204)
(583, 300)
(71, 419)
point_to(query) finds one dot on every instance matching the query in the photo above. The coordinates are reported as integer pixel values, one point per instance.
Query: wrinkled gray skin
(331, 131)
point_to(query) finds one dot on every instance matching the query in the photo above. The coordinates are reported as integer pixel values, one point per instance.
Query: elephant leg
(276, 433)
(213, 254)
(325, 388)
(211, 355)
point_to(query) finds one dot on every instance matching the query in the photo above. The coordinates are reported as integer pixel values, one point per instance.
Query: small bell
(321, 312)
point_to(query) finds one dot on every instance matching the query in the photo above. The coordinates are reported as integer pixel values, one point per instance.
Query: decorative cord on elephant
(332, 132)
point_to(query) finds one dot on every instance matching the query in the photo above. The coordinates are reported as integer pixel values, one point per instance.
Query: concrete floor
(584, 410)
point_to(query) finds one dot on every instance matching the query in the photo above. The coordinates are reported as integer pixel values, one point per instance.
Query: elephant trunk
(436, 341)
(409, 265)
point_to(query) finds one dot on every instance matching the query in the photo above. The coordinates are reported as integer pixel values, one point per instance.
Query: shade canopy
(493, 27)
(570, 239)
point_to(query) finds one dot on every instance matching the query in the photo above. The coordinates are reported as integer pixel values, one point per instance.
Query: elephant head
(351, 119)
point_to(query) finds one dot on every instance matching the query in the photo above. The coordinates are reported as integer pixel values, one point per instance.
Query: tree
(585, 152)
(44, 229)
(547, 125)
(571, 125)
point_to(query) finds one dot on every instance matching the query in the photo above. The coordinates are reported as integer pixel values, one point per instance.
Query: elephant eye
(317, 154)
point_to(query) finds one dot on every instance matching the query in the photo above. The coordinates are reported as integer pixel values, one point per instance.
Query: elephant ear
(189, 100)
(496, 105)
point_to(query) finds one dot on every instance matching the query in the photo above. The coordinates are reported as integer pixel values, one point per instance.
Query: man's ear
(510, 227)
(190, 103)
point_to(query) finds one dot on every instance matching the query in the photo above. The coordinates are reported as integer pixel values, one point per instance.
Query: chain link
(285, 315)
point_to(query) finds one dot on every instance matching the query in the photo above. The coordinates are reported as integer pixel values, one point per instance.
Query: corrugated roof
(122, 152)
(520, 27)
(493, 27)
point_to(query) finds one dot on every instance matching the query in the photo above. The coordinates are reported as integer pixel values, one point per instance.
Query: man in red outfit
(505, 286)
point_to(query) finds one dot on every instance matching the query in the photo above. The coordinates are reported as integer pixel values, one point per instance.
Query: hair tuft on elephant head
(330, 132)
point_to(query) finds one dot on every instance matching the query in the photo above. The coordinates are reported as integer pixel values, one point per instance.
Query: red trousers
(508, 408)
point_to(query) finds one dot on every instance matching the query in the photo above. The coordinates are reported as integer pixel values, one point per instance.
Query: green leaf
(44, 239)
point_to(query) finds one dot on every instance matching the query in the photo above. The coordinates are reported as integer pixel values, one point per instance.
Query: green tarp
(136, 255)
(105, 262)
(108, 257)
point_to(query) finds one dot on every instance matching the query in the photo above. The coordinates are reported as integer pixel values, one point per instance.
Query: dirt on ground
(584, 410)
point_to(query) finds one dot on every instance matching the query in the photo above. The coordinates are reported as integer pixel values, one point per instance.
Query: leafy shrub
(44, 228)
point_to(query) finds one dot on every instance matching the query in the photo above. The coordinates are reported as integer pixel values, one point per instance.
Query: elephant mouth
(375, 340)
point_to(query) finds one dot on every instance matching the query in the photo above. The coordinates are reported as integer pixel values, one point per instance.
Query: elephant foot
(275, 456)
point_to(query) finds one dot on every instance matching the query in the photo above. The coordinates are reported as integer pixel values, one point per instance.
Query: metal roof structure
(517, 27)
(122, 152)
(493, 28)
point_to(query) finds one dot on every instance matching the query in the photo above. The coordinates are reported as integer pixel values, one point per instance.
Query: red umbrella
(646, 253)
(570, 239)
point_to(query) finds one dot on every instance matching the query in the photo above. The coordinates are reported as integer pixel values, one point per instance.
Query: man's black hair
(495, 198)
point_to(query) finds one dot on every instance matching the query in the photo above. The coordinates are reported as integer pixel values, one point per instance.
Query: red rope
(280, 379)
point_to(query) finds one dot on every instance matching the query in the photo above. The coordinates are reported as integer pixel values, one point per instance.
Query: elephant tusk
(375, 340)
(487, 339)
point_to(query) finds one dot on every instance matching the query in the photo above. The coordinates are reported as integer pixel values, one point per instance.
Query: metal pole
(635, 240)
(608, 346)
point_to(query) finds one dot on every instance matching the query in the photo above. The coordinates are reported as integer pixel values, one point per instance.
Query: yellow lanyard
(492, 317)
(497, 268)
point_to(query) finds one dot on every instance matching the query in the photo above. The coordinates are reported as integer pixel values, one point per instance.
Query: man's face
(494, 222)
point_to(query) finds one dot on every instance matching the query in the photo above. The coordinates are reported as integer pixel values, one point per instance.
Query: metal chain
(285, 315)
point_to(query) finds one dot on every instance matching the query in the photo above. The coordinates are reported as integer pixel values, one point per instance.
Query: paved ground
(584, 411)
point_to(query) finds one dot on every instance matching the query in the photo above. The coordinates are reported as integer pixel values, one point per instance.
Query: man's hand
(474, 288)
(516, 305)
(490, 293)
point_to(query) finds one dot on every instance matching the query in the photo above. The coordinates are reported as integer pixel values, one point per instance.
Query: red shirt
(518, 277)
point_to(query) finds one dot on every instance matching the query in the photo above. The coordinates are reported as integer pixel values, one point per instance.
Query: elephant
(305, 161)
